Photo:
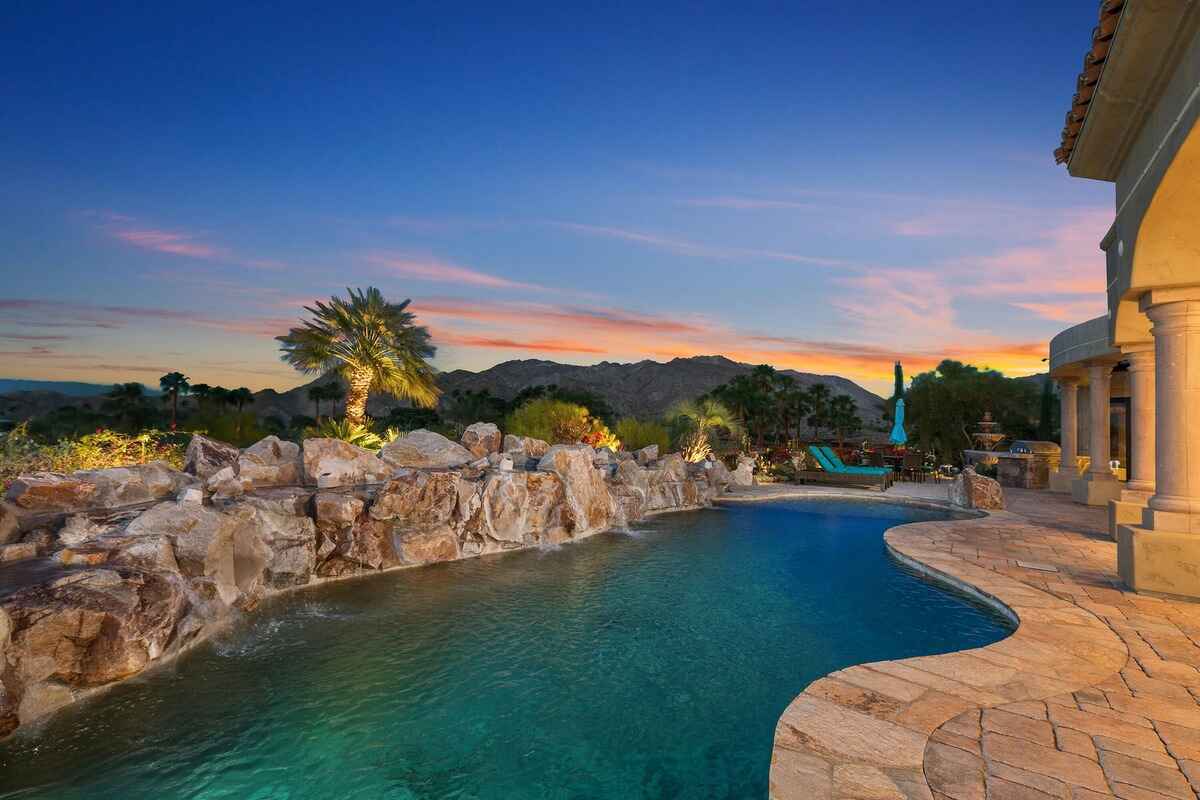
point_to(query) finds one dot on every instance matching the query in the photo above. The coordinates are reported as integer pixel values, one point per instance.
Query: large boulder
(97, 488)
(743, 475)
(631, 488)
(482, 439)
(335, 514)
(417, 498)
(647, 455)
(719, 476)
(51, 491)
(10, 523)
(426, 450)
(221, 554)
(332, 462)
(206, 456)
(289, 544)
(526, 446)
(427, 545)
(970, 490)
(589, 504)
(84, 630)
(270, 462)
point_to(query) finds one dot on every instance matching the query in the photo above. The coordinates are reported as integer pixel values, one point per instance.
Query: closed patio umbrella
(898, 436)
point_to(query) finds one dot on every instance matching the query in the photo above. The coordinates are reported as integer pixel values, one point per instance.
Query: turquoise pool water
(652, 664)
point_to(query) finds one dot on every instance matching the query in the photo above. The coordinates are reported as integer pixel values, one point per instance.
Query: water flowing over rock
(482, 439)
(332, 462)
(205, 456)
(133, 585)
(970, 490)
(426, 450)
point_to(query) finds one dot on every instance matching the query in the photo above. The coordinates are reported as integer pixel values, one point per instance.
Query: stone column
(1128, 509)
(1068, 398)
(1098, 486)
(1142, 466)
(1099, 413)
(1163, 553)
(1176, 500)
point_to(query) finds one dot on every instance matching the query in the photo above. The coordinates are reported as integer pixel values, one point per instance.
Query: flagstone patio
(1094, 695)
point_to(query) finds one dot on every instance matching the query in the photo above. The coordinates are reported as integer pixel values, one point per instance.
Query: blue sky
(824, 188)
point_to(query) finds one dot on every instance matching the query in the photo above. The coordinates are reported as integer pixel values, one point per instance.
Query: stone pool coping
(1093, 695)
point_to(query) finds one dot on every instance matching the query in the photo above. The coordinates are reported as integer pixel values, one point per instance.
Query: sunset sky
(826, 187)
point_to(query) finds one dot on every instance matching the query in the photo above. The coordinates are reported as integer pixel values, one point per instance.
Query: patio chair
(914, 468)
(846, 476)
(839, 465)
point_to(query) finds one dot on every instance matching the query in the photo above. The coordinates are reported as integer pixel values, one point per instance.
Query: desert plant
(554, 421)
(371, 343)
(698, 422)
(600, 436)
(353, 433)
(636, 434)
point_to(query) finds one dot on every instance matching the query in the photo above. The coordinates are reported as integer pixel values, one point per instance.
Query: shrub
(601, 436)
(237, 428)
(636, 434)
(350, 432)
(554, 421)
(21, 453)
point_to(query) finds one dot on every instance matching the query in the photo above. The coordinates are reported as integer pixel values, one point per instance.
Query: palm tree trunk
(356, 397)
(174, 409)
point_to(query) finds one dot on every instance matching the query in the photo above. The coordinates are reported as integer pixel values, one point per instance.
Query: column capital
(1172, 310)
(1067, 382)
(1140, 356)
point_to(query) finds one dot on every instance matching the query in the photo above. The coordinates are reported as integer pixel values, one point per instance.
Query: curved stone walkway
(1093, 696)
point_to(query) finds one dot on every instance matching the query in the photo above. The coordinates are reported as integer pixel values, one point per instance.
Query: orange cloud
(534, 346)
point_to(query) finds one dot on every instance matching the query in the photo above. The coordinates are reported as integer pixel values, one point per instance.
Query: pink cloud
(441, 272)
(169, 242)
(1068, 311)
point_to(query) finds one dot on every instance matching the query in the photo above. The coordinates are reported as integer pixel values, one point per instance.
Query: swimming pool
(651, 663)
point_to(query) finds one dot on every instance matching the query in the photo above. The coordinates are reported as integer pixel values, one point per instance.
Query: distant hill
(68, 388)
(643, 389)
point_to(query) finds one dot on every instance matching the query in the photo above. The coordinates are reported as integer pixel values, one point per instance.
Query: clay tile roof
(1085, 85)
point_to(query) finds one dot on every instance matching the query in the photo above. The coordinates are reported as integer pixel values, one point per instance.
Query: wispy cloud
(748, 203)
(599, 319)
(179, 244)
(441, 272)
(690, 248)
(1067, 311)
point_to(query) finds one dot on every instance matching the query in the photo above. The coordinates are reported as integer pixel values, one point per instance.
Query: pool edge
(865, 730)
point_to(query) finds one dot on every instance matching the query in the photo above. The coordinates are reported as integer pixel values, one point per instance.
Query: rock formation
(149, 558)
(970, 490)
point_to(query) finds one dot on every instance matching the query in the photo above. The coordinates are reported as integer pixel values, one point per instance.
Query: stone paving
(1094, 695)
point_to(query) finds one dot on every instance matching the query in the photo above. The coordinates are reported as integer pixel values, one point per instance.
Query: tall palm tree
(128, 402)
(371, 343)
(174, 384)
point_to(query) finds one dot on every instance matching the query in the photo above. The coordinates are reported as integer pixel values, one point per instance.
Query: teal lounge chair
(832, 473)
(836, 460)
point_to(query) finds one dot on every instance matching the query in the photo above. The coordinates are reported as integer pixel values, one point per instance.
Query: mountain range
(643, 389)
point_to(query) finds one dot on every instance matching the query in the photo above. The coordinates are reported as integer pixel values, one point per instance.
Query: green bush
(636, 434)
(21, 453)
(241, 429)
(554, 421)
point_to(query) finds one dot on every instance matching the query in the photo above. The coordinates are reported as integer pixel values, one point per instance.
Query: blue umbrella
(898, 435)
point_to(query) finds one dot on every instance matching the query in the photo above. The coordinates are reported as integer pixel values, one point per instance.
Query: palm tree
(700, 421)
(329, 391)
(200, 391)
(174, 384)
(818, 402)
(843, 418)
(239, 397)
(371, 343)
